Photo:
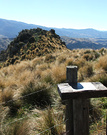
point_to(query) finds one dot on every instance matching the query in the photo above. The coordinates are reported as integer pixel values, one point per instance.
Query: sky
(77, 14)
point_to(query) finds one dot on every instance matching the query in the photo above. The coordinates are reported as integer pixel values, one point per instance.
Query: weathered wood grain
(82, 90)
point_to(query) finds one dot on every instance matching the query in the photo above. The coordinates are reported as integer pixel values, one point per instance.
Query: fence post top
(72, 67)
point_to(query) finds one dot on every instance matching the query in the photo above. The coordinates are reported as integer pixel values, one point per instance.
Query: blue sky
(78, 14)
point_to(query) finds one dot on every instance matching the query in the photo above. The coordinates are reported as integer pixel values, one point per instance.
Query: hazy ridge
(90, 38)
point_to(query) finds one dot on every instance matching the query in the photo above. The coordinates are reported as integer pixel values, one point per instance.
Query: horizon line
(54, 27)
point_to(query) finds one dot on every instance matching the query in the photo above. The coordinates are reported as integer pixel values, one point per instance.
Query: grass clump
(51, 123)
(18, 128)
(86, 71)
(31, 84)
(99, 78)
(102, 63)
(49, 58)
(36, 94)
(58, 74)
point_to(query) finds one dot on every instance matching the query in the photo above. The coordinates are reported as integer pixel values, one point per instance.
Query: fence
(69, 106)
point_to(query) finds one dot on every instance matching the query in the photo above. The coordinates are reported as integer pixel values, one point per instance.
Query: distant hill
(31, 43)
(10, 29)
(81, 33)
(75, 43)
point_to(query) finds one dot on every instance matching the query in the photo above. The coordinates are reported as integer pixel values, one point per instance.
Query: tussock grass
(51, 123)
(41, 94)
(59, 73)
(86, 71)
(102, 63)
(43, 73)
(99, 78)
(18, 128)
(47, 76)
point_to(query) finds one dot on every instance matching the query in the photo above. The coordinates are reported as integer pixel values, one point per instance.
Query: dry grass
(51, 123)
(59, 73)
(102, 63)
(6, 96)
(86, 71)
(31, 76)
(39, 94)
(100, 77)
(18, 128)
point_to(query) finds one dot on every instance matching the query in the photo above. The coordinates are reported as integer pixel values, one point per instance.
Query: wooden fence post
(77, 106)
(71, 77)
(76, 109)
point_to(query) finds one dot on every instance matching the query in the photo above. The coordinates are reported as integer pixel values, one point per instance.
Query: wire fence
(57, 125)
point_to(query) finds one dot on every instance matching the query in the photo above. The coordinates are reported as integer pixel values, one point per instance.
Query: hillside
(31, 43)
(29, 100)
(4, 42)
(79, 43)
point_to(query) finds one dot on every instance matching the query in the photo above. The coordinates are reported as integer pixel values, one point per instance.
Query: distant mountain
(10, 29)
(75, 43)
(81, 33)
